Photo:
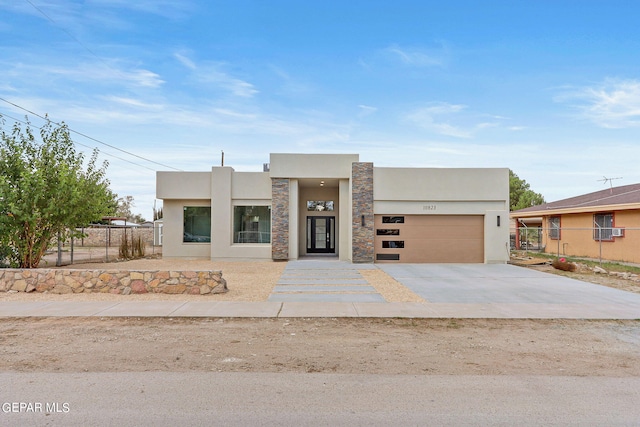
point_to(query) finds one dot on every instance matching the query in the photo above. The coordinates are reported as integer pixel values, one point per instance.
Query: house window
(387, 232)
(554, 227)
(197, 224)
(602, 226)
(320, 205)
(252, 224)
(388, 257)
(393, 220)
(393, 244)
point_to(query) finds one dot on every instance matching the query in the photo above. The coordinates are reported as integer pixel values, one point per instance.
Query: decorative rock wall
(63, 281)
(113, 236)
(280, 218)
(362, 207)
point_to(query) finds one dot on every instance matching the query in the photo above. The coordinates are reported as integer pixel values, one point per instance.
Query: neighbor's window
(251, 224)
(602, 226)
(554, 227)
(197, 224)
(320, 205)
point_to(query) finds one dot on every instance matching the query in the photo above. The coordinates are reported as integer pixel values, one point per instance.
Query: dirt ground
(328, 345)
(385, 346)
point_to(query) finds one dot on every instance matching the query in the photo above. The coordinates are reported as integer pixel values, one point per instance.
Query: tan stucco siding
(433, 184)
(183, 185)
(284, 165)
(577, 237)
(173, 225)
(251, 185)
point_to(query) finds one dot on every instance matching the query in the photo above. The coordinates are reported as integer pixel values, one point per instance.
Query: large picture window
(197, 224)
(251, 224)
(603, 224)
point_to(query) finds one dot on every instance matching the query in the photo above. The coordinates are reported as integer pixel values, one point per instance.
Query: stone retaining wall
(112, 236)
(63, 281)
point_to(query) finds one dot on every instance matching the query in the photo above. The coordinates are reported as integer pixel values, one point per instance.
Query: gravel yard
(247, 281)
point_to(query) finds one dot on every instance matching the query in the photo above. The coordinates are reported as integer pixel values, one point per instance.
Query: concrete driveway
(500, 284)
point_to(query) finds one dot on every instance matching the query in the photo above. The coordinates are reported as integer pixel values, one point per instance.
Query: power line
(106, 64)
(67, 32)
(89, 137)
(79, 143)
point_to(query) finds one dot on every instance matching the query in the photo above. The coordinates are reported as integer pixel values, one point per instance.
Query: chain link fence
(618, 244)
(101, 243)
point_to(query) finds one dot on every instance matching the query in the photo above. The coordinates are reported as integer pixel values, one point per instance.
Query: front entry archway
(321, 231)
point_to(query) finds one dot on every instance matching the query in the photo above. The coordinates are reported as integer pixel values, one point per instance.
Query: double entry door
(321, 231)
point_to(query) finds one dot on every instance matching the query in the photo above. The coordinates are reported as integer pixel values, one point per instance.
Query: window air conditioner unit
(617, 232)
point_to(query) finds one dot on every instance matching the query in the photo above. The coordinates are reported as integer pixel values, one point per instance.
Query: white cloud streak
(213, 75)
(414, 57)
(613, 104)
(435, 118)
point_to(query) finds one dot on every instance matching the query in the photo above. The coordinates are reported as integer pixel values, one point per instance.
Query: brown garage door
(429, 238)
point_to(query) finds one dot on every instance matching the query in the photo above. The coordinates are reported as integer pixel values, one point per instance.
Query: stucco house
(335, 205)
(603, 224)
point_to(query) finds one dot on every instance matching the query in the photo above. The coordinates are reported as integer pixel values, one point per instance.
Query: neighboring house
(604, 224)
(335, 205)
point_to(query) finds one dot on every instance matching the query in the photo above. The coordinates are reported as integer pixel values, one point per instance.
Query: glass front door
(321, 234)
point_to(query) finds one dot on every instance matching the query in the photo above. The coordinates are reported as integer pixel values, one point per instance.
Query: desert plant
(138, 249)
(563, 264)
(124, 252)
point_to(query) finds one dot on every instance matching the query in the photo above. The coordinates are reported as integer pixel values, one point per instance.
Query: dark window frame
(393, 244)
(604, 233)
(196, 224)
(555, 230)
(397, 219)
(387, 232)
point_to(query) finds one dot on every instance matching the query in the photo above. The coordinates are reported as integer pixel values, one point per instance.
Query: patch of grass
(607, 265)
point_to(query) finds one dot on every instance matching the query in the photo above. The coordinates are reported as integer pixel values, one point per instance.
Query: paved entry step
(322, 281)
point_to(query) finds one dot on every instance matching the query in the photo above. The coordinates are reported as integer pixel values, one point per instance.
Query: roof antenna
(605, 179)
(222, 162)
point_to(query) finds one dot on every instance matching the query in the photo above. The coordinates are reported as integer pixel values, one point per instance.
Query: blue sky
(550, 89)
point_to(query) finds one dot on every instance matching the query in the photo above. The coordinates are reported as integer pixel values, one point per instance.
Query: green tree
(124, 210)
(46, 189)
(520, 195)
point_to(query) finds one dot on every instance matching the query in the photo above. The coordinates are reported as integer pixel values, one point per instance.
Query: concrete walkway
(453, 291)
(324, 281)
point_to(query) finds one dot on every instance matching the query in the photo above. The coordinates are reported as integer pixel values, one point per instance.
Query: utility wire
(79, 143)
(101, 60)
(89, 137)
(67, 32)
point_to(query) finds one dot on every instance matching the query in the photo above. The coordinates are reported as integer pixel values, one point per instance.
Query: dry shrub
(562, 264)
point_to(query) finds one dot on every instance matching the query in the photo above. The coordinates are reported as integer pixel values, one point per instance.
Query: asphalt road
(283, 399)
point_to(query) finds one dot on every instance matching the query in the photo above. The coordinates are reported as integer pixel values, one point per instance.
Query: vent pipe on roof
(222, 161)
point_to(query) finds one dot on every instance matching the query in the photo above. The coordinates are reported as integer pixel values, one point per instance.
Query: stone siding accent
(125, 282)
(280, 218)
(362, 205)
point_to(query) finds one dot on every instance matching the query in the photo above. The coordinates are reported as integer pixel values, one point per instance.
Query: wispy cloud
(613, 104)
(415, 57)
(213, 74)
(436, 118)
(97, 73)
(366, 110)
(451, 120)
